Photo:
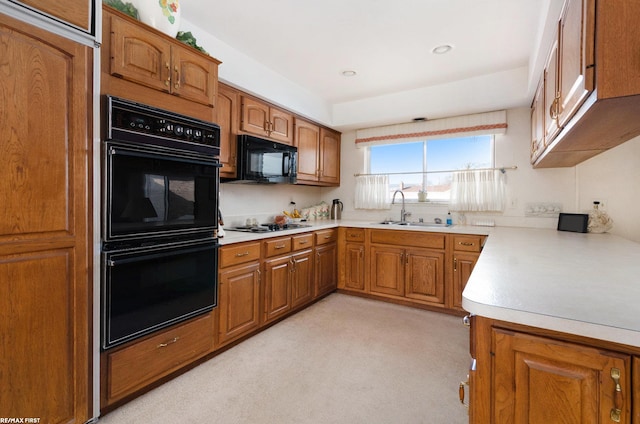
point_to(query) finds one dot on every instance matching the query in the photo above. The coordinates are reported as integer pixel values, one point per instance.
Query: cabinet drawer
(409, 238)
(354, 234)
(277, 246)
(302, 241)
(138, 365)
(238, 254)
(326, 236)
(467, 243)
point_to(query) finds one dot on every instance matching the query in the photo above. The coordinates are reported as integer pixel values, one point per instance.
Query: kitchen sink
(415, 224)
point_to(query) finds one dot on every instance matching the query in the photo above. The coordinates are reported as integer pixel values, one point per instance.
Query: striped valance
(457, 126)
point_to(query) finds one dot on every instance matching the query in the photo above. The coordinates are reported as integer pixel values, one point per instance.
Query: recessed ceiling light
(349, 73)
(444, 48)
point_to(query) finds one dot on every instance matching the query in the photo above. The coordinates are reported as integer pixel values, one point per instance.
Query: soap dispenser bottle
(449, 220)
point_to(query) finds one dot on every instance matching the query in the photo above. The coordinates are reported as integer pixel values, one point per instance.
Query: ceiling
(388, 43)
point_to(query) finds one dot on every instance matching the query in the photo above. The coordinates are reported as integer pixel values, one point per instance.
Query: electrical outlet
(603, 202)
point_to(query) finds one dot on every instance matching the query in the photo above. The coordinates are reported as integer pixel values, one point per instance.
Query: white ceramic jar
(163, 15)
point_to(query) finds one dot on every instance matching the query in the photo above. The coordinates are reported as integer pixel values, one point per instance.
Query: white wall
(613, 177)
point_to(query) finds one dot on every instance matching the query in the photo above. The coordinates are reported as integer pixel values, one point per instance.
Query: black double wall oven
(160, 186)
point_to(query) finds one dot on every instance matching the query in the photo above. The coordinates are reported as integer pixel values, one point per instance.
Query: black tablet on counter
(574, 222)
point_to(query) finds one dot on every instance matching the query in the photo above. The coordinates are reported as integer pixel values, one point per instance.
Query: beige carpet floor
(343, 360)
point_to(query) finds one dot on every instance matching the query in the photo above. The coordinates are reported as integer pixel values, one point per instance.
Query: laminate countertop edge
(583, 284)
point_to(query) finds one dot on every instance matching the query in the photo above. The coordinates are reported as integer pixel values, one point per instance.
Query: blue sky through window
(441, 155)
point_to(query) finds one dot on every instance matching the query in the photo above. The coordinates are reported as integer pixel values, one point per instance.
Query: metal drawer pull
(465, 243)
(172, 341)
(282, 246)
(618, 398)
(327, 237)
(461, 391)
(239, 255)
(303, 241)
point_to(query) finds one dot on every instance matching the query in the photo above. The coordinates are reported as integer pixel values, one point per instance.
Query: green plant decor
(188, 39)
(123, 7)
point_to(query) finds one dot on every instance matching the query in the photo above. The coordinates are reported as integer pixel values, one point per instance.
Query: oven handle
(158, 255)
(175, 156)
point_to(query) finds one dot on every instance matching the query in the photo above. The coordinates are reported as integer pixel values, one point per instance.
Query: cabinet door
(45, 225)
(277, 287)
(539, 380)
(551, 94)
(307, 140)
(329, 157)
(78, 13)
(139, 55)
(387, 270)
(239, 305)
(302, 281)
(576, 53)
(463, 264)
(425, 275)
(537, 123)
(354, 267)
(194, 77)
(326, 269)
(281, 126)
(227, 117)
(255, 117)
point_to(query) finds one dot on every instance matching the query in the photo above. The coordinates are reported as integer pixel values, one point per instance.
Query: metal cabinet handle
(303, 242)
(239, 255)
(455, 264)
(177, 82)
(466, 243)
(172, 341)
(618, 398)
(281, 246)
(167, 82)
(461, 391)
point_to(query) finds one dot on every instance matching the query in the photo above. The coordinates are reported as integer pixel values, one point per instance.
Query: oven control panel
(130, 121)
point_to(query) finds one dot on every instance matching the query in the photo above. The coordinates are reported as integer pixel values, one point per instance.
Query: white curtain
(372, 192)
(477, 191)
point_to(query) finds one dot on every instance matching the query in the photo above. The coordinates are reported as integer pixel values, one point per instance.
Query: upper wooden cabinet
(592, 82)
(265, 120)
(77, 13)
(227, 113)
(143, 64)
(318, 154)
(45, 225)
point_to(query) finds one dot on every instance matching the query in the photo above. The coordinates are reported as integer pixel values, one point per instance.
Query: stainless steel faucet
(403, 212)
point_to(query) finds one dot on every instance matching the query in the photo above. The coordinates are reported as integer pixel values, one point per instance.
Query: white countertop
(584, 284)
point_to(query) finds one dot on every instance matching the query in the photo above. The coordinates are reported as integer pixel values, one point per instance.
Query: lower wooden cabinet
(302, 278)
(238, 302)
(131, 368)
(326, 266)
(354, 267)
(528, 375)
(277, 287)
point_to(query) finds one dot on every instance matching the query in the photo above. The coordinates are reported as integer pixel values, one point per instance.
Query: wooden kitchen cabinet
(227, 112)
(326, 266)
(76, 13)
(318, 154)
(351, 259)
(408, 265)
(538, 122)
(46, 247)
(239, 291)
(596, 99)
(277, 287)
(265, 120)
(139, 364)
(142, 64)
(529, 375)
(466, 251)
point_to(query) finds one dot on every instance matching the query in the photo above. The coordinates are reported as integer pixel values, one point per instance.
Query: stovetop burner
(265, 228)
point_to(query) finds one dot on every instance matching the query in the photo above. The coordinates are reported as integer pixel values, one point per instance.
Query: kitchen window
(424, 167)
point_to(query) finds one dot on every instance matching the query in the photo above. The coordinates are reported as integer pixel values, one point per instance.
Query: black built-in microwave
(265, 161)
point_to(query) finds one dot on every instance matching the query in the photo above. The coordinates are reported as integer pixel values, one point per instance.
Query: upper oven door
(151, 193)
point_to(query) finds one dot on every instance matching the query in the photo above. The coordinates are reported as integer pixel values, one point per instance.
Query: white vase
(163, 15)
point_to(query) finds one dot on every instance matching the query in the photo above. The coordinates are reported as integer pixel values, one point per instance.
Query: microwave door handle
(286, 167)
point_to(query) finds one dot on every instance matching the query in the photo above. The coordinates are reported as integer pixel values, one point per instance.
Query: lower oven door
(149, 288)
